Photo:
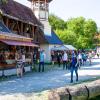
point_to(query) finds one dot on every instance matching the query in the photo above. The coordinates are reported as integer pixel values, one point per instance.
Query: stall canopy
(70, 47)
(60, 48)
(18, 43)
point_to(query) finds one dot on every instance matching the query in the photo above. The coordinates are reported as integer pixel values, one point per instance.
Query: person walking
(90, 58)
(19, 64)
(41, 61)
(84, 58)
(80, 59)
(23, 62)
(34, 60)
(98, 55)
(52, 57)
(65, 60)
(74, 67)
(59, 59)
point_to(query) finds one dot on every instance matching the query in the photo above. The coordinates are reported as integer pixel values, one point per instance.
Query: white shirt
(23, 58)
(65, 57)
(90, 55)
(79, 56)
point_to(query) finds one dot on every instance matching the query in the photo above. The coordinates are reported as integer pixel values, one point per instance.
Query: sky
(66, 9)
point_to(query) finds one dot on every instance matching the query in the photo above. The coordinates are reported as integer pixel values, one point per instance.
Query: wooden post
(22, 29)
(33, 32)
(7, 22)
(18, 27)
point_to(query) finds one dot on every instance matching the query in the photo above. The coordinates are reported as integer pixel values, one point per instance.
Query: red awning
(18, 43)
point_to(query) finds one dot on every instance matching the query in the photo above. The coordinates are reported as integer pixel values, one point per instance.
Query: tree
(67, 36)
(3, 1)
(90, 28)
(56, 22)
(76, 25)
(78, 32)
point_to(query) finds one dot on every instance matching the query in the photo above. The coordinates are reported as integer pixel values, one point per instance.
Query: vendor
(2, 58)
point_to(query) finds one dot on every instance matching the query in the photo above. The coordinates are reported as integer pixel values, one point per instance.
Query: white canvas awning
(70, 47)
(59, 48)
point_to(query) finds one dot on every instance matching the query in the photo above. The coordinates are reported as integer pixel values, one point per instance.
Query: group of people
(75, 61)
(72, 61)
(21, 60)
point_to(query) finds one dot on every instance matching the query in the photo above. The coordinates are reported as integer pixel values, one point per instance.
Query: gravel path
(35, 82)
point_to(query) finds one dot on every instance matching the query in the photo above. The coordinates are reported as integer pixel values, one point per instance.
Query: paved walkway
(35, 82)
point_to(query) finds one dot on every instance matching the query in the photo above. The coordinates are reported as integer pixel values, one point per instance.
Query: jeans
(41, 66)
(73, 68)
(58, 62)
(64, 64)
(80, 62)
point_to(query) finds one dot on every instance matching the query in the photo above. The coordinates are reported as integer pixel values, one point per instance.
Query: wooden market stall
(9, 44)
(19, 30)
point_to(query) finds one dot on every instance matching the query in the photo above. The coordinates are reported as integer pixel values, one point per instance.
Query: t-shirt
(74, 61)
(65, 57)
(79, 56)
(42, 57)
(23, 58)
(90, 55)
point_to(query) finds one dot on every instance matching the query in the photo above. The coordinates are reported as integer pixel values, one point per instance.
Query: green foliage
(3, 1)
(76, 24)
(66, 36)
(78, 32)
(56, 23)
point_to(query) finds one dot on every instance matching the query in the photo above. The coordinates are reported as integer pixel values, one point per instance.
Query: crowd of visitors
(70, 60)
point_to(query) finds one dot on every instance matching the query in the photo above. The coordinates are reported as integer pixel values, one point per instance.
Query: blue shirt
(41, 57)
(74, 61)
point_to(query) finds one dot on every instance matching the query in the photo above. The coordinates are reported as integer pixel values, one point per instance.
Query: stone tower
(41, 11)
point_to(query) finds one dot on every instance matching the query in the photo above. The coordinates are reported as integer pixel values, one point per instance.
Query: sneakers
(71, 81)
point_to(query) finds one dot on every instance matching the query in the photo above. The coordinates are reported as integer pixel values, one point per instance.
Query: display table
(28, 60)
(9, 64)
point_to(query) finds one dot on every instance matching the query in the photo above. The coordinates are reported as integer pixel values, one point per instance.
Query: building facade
(41, 10)
(19, 30)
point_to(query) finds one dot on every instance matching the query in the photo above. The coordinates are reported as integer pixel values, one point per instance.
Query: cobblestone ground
(35, 82)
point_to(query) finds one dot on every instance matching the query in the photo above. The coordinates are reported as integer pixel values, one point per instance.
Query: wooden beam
(7, 22)
(33, 31)
(21, 29)
(12, 25)
(18, 27)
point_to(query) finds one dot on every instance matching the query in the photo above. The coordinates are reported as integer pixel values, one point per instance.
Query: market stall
(10, 43)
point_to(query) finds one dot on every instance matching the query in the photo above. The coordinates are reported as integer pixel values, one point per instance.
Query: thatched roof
(19, 12)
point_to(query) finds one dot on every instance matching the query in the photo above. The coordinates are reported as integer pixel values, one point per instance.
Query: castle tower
(41, 11)
(40, 8)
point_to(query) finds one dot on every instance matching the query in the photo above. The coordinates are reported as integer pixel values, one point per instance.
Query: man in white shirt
(65, 59)
(80, 59)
